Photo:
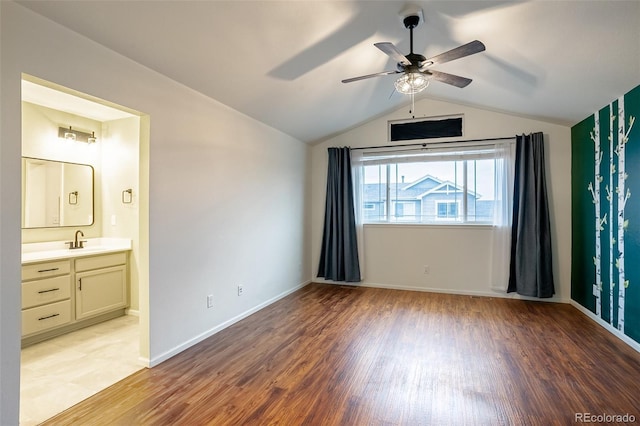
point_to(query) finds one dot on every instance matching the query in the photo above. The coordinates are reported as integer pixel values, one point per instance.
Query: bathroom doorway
(113, 140)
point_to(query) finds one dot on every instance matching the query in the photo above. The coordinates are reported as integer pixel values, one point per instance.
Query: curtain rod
(424, 144)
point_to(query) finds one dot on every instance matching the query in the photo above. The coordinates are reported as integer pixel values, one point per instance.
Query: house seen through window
(430, 189)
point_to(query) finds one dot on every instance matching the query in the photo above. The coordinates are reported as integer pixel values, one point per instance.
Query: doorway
(119, 156)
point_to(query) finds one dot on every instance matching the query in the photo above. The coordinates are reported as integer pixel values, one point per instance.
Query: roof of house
(415, 190)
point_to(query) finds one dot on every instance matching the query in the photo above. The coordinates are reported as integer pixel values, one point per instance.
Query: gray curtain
(530, 267)
(339, 253)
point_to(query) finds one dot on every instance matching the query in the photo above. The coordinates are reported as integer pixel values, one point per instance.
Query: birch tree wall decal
(612, 241)
(612, 259)
(595, 193)
(623, 195)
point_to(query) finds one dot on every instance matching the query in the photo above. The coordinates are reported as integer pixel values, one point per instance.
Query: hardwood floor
(332, 355)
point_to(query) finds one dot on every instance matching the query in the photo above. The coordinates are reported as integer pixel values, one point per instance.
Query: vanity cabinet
(101, 284)
(63, 295)
(46, 296)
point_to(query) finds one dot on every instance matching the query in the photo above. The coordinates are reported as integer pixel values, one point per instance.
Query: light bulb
(70, 136)
(411, 82)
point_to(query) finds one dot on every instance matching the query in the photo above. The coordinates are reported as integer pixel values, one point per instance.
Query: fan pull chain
(412, 111)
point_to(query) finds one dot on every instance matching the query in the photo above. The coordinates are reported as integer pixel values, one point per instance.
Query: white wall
(120, 166)
(227, 195)
(459, 258)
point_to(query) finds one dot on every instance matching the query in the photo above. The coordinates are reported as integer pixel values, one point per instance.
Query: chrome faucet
(77, 244)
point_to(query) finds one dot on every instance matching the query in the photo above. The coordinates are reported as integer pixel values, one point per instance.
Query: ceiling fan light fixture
(415, 68)
(411, 82)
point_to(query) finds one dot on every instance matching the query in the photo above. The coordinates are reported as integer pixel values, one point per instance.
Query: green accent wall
(600, 185)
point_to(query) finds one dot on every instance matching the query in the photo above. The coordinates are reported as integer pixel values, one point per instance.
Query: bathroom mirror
(56, 194)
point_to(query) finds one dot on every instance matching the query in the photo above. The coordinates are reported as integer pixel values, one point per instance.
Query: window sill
(430, 225)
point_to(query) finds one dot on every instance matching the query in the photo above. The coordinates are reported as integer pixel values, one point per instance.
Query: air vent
(425, 128)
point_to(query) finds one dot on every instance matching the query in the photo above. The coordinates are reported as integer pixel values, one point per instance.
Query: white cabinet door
(100, 291)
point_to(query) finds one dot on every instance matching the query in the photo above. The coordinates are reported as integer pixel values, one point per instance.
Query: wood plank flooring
(333, 355)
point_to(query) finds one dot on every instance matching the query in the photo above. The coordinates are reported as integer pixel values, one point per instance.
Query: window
(425, 128)
(439, 185)
(447, 209)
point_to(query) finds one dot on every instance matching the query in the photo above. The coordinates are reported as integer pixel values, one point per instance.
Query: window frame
(463, 155)
(434, 119)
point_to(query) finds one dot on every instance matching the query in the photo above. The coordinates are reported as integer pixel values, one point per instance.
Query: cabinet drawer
(46, 269)
(104, 261)
(42, 318)
(40, 292)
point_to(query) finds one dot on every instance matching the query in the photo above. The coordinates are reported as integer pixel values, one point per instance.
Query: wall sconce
(73, 198)
(76, 135)
(127, 196)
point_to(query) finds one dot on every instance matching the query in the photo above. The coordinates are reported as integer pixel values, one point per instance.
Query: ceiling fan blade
(459, 52)
(454, 80)
(378, 74)
(393, 52)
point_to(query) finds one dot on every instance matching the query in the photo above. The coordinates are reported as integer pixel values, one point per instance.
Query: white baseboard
(144, 361)
(428, 289)
(199, 338)
(132, 312)
(626, 339)
(487, 293)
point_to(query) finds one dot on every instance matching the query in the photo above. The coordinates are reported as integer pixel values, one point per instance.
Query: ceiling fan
(415, 68)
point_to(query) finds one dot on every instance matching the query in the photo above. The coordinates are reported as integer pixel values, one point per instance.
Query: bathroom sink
(38, 252)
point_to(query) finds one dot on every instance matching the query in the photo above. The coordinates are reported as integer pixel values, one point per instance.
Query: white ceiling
(281, 62)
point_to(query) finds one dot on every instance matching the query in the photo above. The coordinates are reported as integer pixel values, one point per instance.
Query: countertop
(57, 250)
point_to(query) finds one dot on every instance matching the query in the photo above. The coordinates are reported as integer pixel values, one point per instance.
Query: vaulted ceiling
(282, 62)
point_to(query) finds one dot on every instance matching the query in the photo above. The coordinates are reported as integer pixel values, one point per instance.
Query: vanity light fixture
(76, 135)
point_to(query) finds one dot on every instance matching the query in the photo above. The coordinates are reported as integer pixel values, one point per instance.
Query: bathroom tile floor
(59, 373)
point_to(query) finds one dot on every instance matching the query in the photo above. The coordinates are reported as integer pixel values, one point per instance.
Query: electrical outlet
(427, 269)
(210, 301)
(240, 290)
